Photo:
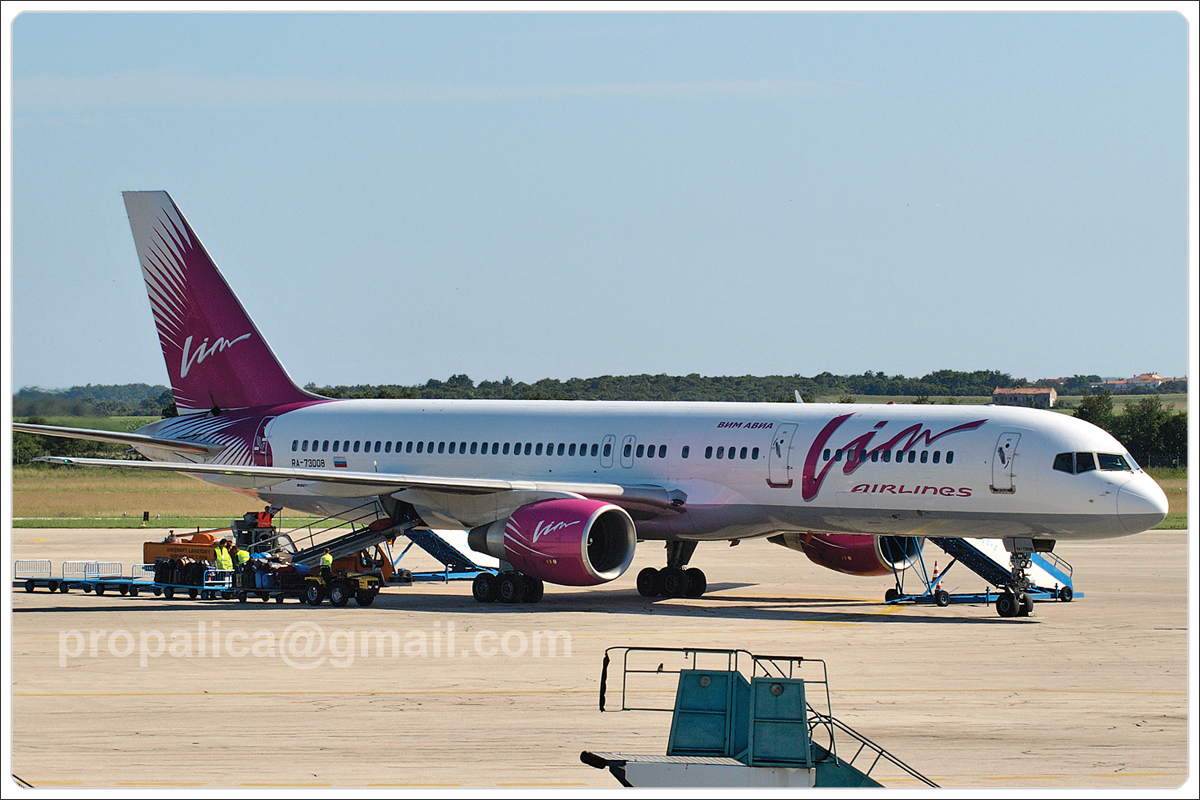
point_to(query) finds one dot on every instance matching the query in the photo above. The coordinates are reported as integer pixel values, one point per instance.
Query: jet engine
(569, 541)
(853, 554)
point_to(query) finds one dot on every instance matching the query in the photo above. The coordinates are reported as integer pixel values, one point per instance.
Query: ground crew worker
(239, 558)
(327, 565)
(221, 555)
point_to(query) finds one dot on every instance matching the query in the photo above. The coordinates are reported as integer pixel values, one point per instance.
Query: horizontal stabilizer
(116, 437)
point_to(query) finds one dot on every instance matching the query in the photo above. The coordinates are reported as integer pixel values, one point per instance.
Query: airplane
(563, 491)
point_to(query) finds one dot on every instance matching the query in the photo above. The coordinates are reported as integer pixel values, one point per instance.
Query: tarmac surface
(428, 689)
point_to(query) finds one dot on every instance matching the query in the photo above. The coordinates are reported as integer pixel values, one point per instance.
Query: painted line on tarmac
(305, 692)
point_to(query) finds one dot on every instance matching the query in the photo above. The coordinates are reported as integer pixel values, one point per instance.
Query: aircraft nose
(1141, 504)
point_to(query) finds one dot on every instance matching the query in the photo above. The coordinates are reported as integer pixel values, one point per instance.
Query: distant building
(1150, 379)
(1033, 398)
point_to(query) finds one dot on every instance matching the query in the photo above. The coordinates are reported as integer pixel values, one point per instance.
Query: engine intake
(569, 541)
(853, 554)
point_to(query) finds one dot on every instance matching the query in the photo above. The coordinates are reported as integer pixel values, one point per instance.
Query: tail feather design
(216, 358)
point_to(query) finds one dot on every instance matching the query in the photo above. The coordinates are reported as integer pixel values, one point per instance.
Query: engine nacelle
(853, 554)
(570, 541)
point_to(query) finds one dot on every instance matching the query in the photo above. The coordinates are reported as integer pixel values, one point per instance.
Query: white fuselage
(739, 469)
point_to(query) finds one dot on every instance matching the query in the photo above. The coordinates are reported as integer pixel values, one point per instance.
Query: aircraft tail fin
(216, 358)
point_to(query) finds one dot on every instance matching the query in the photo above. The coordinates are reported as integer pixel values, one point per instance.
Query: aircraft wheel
(941, 598)
(1006, 604)
(674, 582)
(534, 589)
(314, 594)
(1024, 604)
(649, 582)
(511, 587)
(364, 597)
(1065, 594)
(339, 594)
(891, 595)
(483, 588)
(696, 582)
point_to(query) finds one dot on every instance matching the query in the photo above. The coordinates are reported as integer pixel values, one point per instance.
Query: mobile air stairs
(380, 534)
(1005, 564)
(738, 729)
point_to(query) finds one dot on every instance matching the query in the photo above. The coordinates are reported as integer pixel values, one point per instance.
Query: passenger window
(295, 445)
(837, 455)
(607, 449)
(720, 452)
(628, 450)
(452, 444)
(325, 446)
(826, 454)
(662, 451)
(937, 456)
(754, 454)
(745, 452)
(887, 456)
(949, 456)
(356, 445)
(684, 452)
(640, 450)
(420, 447)
(924, 456)
(1065, 462)
(1084, 462)
(528, 448)
(708, 451)
(304, 447)
(571, 449)
(506, 448)
(875, 456)
(912, 456)
(496, 448)
(408, 448)
(387, 448)
(538, 451)
(562, 449)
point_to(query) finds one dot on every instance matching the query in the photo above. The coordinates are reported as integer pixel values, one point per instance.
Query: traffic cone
(935, 577)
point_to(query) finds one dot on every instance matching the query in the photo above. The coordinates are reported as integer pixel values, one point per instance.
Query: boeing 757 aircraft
(562, 491)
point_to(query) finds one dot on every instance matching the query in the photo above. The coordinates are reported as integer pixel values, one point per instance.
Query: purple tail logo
(215, 356)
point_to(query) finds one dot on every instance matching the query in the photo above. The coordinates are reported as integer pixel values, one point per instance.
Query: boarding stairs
(739, 730)
(1050, 576)
(382, 533)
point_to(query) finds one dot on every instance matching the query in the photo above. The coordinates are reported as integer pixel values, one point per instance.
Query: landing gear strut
(676, 579)
(1015, 601)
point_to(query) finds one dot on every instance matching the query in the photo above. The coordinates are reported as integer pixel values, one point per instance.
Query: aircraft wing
(346, 484)
(116, 437)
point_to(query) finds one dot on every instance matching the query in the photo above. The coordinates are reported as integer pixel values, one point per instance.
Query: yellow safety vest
(243, 557)
(327, 560)
(223, 559)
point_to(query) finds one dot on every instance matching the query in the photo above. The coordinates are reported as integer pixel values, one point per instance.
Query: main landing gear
(674, 580)
(507, 587)
(1015, 601)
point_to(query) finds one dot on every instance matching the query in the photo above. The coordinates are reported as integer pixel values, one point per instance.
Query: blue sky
(398, 197)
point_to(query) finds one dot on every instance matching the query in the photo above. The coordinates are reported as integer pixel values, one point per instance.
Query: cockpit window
(1112, 462)
(1084, 462)
(1065, 462)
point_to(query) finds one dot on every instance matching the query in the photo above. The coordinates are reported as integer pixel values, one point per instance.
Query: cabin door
(779, 456)
(262, 447)
(1003, 460)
